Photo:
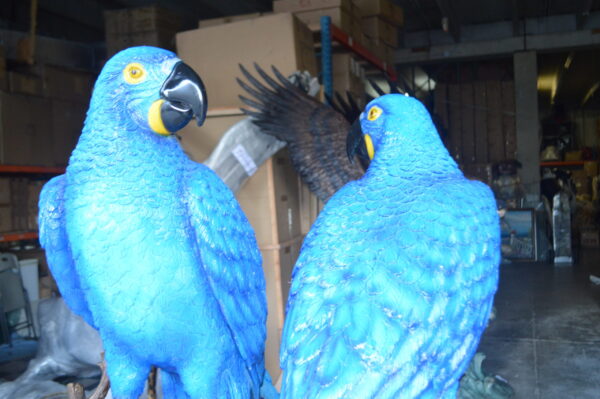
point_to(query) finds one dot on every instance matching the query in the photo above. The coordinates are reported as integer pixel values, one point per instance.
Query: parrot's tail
(267, 389)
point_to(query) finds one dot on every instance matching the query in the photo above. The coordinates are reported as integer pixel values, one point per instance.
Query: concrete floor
(546, 338)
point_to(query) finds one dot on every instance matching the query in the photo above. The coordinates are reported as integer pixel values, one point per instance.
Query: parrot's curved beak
(355, 143)
(184, 98)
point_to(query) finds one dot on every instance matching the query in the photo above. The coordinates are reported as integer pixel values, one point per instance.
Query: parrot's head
(153, 89)
(391, 118)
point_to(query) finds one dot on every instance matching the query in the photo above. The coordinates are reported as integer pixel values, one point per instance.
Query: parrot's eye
(134, 73)
(374, 113)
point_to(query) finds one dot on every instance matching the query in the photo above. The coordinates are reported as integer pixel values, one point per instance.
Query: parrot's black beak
(185, 98)
(355, 142)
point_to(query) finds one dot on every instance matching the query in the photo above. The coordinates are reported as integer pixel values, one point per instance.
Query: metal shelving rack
(331, 32)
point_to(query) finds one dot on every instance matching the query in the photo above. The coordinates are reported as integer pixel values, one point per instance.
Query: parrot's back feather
(366, 331)
(54, 240)
(231, 259)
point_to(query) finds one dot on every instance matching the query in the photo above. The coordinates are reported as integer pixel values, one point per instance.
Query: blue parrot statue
(151, 248)
(395, 280)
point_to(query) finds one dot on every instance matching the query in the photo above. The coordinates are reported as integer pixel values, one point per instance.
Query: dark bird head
(398, 124)
(152, 88)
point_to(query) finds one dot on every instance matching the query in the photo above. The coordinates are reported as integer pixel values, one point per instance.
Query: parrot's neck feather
(116, 146)
(410, 157)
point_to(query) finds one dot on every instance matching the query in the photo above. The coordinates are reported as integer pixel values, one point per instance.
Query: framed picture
(518, 234)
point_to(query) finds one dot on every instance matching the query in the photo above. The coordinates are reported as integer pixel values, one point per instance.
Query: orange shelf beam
(7, 237)
(562, 163)
(31, 169)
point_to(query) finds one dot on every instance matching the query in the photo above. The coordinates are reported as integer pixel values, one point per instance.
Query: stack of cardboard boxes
(380, 22)
(270, 198)
(150, 25)
(42, 109)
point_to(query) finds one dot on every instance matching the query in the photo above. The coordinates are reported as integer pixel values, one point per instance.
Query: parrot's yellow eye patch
(134, 73)
(374, 113)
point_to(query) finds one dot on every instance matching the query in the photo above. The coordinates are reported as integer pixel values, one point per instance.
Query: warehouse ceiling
(82, 20)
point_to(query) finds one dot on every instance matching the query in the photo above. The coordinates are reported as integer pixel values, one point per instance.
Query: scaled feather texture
(314, 132)
(395, 281)
(152, 249)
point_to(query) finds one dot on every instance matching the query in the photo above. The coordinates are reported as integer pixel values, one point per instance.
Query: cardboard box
(376, 47)
(118, 42)
(25, 130)
(591, 168)
(590, 239)
(278, 263)
(67, 122)
(34, 188)
(3, 72)
(215, 52)
(141, 19)
(4, 191)
(382, 8)
(150, 26)
(19, 203)
(378, 29)
(339, 17)
(68, 84)
(23, 83)
(309, 5)
(205, 23)
(348, 75)
(6, 219)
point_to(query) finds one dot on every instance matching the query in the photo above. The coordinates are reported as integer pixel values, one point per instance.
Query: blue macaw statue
(395, 280)
(151, 248)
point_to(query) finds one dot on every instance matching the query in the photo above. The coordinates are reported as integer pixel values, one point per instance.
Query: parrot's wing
(376, 296)
(315, 132)
(54, 240)
(231, 260)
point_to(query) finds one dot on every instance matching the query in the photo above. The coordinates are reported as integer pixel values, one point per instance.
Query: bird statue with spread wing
(395, 280)
(314, 132)
(151, 248)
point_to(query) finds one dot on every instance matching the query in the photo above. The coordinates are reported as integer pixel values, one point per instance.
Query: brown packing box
(67, 122)
(383, 8)
(378, 29)
(68, 84)
(19, 203)
(150, 26)
(591, 168)
(377, 48)
(24, 83)
(304, 5)
(199, 141)
(278, 39)
(6, 224)
(3, 72)
(5, 191)
(34, 188)
(25, 135)
(205, 23)
(397, 15)
(590, 239)
(140, 19)
(340, 17)
(347, 75)
(118, 42)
